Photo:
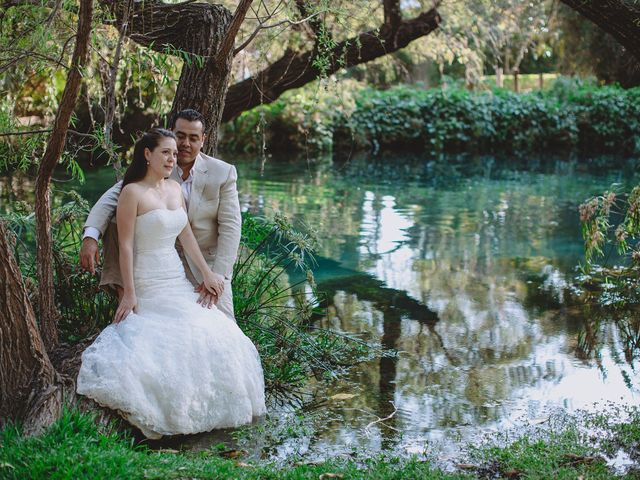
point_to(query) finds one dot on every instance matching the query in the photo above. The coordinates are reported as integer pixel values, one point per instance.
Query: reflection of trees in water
(597, 328)
(475, 255)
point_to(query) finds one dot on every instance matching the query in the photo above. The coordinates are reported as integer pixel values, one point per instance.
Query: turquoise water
(475, 261)
(463, 267)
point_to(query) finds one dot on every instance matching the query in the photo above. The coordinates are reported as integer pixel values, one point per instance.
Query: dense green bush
(573, 116)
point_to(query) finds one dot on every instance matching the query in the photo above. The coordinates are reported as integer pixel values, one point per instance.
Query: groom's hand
(89, 254)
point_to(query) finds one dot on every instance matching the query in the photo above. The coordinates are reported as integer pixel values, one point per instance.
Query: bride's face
(162, 159)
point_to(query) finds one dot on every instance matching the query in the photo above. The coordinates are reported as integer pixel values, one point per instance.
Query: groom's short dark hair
(190, 115)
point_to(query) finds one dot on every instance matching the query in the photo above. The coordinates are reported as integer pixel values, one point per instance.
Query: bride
(166, 364)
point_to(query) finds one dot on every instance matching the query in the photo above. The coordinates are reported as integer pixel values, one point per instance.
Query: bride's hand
(128, 304)
(206, 299)
(214, 283)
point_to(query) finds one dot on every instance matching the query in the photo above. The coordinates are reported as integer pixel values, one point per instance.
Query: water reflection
(468, 281)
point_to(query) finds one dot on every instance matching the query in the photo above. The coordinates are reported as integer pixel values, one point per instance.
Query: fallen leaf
(538, 421)
(572, 458)
(167, 450)
(466, 466)
(330, 475)
(244, 465)
(342, 396)
(515, 473)
(232, 453)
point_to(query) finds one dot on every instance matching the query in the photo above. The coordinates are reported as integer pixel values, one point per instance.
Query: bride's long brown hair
(138, 167)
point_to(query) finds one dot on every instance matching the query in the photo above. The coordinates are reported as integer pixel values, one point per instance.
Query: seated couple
(173, 361)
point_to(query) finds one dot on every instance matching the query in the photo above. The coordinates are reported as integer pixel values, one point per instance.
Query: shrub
(573, 116)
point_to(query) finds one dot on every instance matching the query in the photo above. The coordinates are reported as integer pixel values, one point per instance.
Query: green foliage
(572, 116)
(17, 153)
(300, 120)
(84, 308)
(611, 231)
(277, 314)
(491, 122)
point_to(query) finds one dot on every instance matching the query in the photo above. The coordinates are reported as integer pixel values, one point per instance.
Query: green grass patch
(75, 447)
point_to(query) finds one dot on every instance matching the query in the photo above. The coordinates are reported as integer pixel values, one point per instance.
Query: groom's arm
(229, 225)
(95, 226)
(104, 210)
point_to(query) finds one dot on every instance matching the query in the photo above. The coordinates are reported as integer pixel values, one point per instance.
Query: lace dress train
(173, 367)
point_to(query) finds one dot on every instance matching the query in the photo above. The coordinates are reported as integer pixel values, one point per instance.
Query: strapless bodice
(157, 229)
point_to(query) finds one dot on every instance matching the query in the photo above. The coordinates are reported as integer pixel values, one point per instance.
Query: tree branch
(314, 25)
(295, 69)
(618, 18)
(230, 37)
(265, 27)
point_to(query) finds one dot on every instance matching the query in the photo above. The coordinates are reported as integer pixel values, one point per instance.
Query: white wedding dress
(173, 367)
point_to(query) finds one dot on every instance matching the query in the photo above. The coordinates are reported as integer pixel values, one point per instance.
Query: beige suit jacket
(214, 214)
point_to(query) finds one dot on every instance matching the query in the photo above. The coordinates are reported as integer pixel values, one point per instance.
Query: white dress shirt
(186, 193)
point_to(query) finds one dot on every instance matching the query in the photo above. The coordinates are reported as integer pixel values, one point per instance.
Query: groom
(211, 197)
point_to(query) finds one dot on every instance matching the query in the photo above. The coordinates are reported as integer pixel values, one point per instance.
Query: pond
(463, 266)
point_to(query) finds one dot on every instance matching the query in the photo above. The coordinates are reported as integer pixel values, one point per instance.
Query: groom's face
(190, 137)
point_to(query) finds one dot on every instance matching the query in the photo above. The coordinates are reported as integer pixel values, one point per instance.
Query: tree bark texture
(28, 390)
(296, 69)
(619, 18)
(204, 87)
(46, 298)
(195, 32)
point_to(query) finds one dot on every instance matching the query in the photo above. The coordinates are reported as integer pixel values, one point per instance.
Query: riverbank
(571, 117)
(587, 445)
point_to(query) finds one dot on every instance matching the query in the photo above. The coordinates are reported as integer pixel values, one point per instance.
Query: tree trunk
(46, 299)
(28, 388)
(499, 78)
(204, 87)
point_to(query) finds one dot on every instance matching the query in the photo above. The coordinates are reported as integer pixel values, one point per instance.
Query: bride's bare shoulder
(174, 186)
(131, 189)
(130, 193)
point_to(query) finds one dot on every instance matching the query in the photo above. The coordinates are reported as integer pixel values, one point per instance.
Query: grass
(75, 447)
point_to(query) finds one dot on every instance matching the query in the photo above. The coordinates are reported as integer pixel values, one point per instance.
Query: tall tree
(207, 33)
(46, 298)
(28, 388)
